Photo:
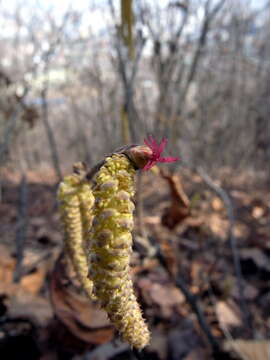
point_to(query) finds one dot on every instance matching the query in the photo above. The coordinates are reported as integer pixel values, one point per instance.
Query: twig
(21, 228)
(50, 133)
(247, 318)
(193, 302)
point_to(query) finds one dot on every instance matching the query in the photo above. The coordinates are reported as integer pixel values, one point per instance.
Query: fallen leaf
(158, 343)
(257, 255)
(217, 204)
(34, 281)
(241, 196)
(250, 349)
(148, 264)
(249, 292)
(166, 296)
(152, 220)
(29, 306)
(169, 253)
(217, 225)
(198, 354)
(227, 314)
(257, 212)
(181, 341)
(179, 208)
(84, 319)
(241, 230)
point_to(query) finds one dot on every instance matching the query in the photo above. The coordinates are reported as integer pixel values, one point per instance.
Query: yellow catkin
(76, 202)
(111, 246)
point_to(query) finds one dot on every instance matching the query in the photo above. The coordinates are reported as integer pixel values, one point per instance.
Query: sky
(98, 17)
(81, 4)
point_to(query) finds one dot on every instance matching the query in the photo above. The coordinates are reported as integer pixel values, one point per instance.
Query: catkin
(111, 246)
(75, 203)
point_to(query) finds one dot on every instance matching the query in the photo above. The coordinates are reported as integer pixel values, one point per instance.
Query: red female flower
(157, 150)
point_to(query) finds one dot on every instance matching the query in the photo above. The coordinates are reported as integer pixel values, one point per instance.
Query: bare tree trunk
(127, 67)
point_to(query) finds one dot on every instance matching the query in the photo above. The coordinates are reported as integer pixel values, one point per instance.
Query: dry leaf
(249, 292)
(258, 256)
(169, 253)
(250, 349)
(7, 266)
(257, 212)
(197, 354)
(217, 225)
(182, 341)
(179, 208)
(166, 296)
(84, 319)
(217, 204)
(227, 314)
(196, 272)
(242, 197)
(151, 220)
(158, 344)
(241, 230)
(26, 305)
(32, 283)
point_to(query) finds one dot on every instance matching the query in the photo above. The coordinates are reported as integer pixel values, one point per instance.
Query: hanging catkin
(110, 249)
(75, 202)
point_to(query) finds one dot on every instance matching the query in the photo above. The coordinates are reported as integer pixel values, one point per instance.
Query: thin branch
(49, 132)
(46, 58)
(208, 18)
(232, 242)
(22, 223)
(193, 302)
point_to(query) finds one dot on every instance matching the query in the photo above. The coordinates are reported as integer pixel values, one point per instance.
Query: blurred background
(195, 71)
(79, 79)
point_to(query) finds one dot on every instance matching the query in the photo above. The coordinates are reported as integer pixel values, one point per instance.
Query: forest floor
(185, 238)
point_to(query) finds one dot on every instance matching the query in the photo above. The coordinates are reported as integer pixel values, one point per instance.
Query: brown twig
(22, 223)
(247, 317)
(193, 302)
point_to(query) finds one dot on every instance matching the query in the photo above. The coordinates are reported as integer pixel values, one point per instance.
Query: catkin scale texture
(75, 204)
(110, 249)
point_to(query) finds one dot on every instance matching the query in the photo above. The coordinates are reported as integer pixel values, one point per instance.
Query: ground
(182, 232)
